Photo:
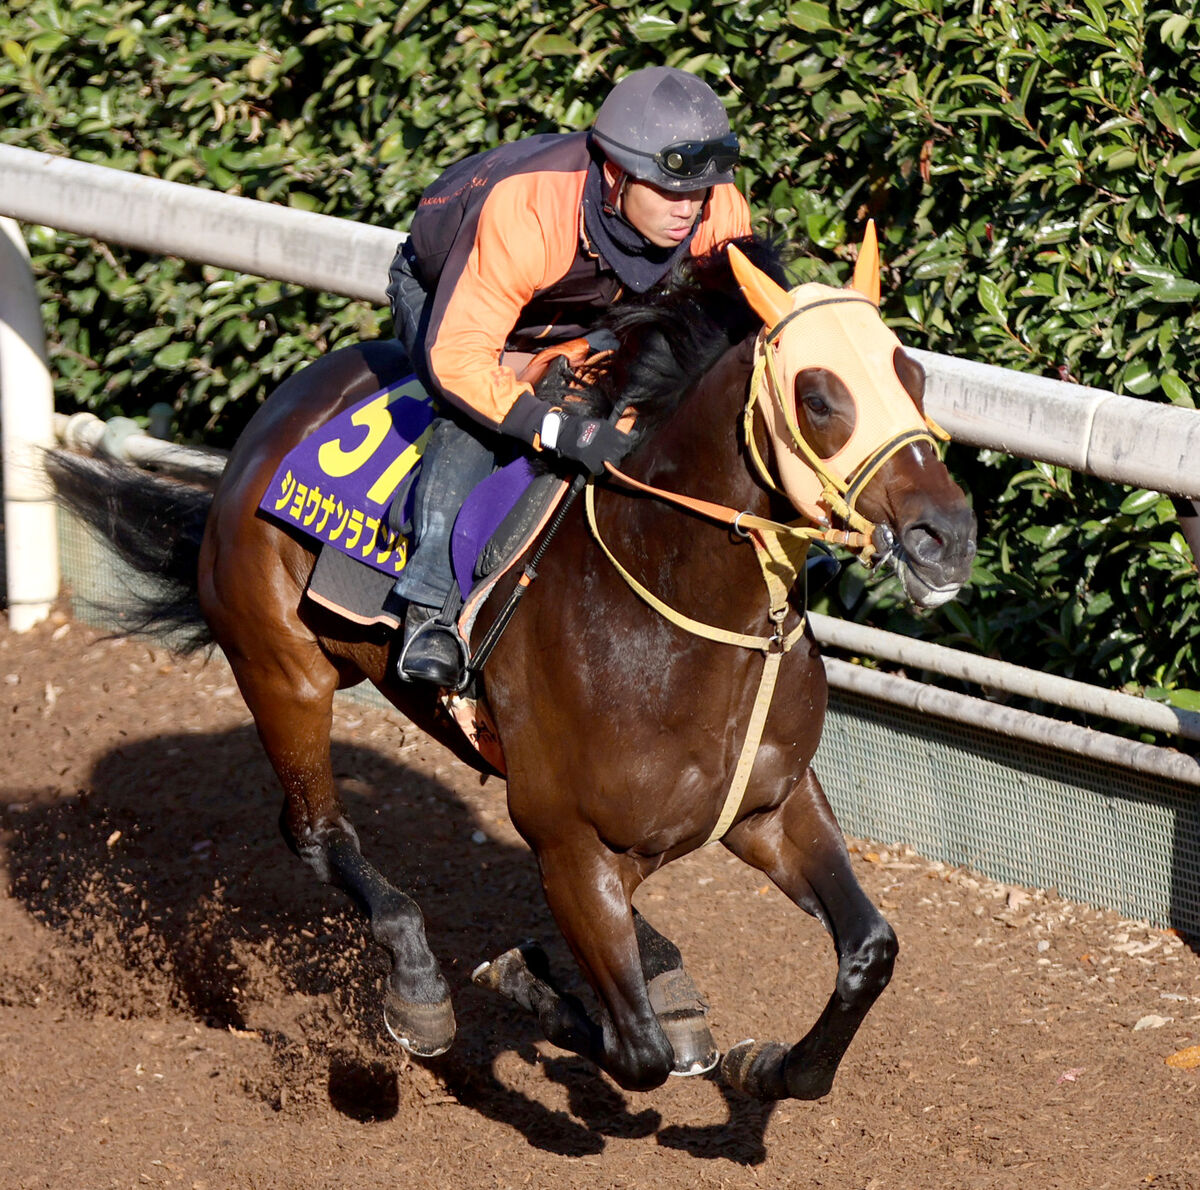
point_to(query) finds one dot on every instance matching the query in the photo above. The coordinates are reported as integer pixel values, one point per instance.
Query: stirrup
(414, 664)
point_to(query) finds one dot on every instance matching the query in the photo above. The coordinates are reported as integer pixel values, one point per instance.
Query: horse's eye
(816, 405)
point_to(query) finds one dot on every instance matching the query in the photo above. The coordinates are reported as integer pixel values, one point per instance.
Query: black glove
(589, 441)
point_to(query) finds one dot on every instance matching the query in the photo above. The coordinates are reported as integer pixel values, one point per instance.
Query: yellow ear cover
(866, 271)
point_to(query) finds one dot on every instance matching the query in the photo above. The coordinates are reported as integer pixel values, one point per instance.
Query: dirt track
(181, 1005)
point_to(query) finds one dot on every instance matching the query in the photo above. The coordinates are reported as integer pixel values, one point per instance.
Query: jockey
(523, 247)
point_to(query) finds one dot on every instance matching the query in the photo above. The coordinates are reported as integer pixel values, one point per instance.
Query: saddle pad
(495, 524)
(354, 591)
(337, 486)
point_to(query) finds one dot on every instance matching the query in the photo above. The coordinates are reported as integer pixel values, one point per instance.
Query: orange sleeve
(513, 253)
(726, 217)
(526, 237)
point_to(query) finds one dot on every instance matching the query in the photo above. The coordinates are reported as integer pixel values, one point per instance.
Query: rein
(775, 548)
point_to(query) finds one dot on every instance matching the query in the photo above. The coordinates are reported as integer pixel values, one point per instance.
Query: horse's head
(842, 405)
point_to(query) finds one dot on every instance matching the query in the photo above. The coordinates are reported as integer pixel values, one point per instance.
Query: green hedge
(1032, 166)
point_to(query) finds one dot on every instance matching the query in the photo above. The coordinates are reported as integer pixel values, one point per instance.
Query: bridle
(780, 548)
(839, 486)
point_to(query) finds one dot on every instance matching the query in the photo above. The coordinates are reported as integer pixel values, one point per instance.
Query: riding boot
(431, 651)
(454, 462)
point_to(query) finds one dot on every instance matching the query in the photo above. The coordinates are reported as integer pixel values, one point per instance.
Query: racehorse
(658, 688)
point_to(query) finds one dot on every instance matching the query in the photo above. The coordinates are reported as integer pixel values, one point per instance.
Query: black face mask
(639, 264)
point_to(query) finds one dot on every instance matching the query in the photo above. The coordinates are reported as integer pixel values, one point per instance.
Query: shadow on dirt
(168, 879)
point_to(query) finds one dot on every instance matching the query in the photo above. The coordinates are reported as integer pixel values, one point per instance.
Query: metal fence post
(26, 428)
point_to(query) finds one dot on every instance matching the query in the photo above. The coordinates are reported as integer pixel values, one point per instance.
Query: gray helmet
(665, 126)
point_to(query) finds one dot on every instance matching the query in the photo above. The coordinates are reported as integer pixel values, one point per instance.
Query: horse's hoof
(513, 973)
(681, 1013)
(695, 1050)
(499, 974)
(424, 1030)
(756, 1068)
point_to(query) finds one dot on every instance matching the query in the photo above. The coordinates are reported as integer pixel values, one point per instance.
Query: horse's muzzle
(931, 555)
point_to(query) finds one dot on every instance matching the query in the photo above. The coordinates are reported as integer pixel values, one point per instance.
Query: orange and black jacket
(499, 246)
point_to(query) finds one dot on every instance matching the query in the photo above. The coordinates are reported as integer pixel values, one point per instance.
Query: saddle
(496, 524)
(348, 489)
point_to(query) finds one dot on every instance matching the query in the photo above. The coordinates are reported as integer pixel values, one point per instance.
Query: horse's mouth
(925, 585)
(921, 593)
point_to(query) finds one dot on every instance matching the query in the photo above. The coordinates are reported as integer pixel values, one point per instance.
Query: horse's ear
(866, 271)
(768, 299)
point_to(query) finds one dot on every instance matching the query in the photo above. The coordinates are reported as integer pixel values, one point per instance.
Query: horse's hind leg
(523, 976)
(588, 892)
(291, 699)
(681, 1011)
(800, 847)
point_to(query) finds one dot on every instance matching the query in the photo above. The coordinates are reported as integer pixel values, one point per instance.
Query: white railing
(26, 426)
(1116, 438)
(171, 219)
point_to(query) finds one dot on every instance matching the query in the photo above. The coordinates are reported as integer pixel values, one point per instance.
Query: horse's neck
(694, 564)
(698, 451)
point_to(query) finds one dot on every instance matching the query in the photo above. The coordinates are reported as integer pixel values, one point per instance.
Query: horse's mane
(670, 338)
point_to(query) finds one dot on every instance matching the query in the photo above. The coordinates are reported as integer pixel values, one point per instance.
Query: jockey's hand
(582, 438)
(591, 442)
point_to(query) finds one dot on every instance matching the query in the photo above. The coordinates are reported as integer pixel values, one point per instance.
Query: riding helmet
(667, 127)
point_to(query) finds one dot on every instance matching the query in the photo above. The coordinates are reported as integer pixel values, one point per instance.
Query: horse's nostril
(924, 543)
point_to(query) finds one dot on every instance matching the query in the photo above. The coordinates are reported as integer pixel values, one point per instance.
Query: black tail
(155, 525)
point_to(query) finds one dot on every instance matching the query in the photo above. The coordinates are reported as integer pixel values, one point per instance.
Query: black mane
(670, 338)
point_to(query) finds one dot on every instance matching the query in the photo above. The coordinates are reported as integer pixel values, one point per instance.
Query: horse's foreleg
(800, 847)
(294, 719)
(589, 898)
